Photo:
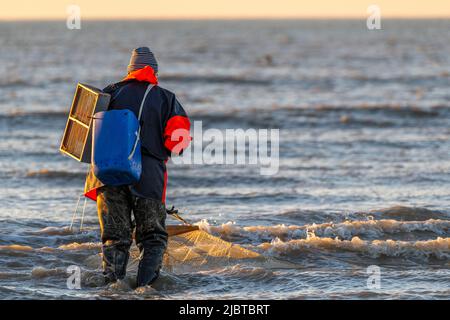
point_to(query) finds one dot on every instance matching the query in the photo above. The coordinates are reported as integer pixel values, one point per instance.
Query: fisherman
(162, 120)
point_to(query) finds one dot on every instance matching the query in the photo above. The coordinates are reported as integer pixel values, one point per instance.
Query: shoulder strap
(149, 87)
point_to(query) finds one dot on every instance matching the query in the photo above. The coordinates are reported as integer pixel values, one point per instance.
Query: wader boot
(115, 205)
(151, 238)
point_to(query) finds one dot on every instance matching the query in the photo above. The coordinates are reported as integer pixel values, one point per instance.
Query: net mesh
(199, 248)
(190, 249)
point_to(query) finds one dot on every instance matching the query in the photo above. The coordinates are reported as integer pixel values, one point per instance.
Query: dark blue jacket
(162, 114)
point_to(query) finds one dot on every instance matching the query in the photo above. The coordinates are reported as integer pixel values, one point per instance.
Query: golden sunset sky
(228, 9)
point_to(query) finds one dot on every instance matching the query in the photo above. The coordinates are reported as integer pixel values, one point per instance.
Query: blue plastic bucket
(114, 138)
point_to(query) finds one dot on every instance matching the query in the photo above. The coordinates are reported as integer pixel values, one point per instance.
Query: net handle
(174, 213)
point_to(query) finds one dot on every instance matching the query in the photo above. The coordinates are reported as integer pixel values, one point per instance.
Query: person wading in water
(162, 120)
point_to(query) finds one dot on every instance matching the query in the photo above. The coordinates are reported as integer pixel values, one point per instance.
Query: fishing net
(190, 247)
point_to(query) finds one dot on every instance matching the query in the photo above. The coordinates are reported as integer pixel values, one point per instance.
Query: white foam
(16, 247)
(345, 230)
(41, 272)
(81, 246)
(438, 248)
(55, 231)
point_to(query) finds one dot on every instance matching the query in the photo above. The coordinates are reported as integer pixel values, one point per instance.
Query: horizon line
(218, 18)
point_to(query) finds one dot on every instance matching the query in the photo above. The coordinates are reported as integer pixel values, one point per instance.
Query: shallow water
(364, 145)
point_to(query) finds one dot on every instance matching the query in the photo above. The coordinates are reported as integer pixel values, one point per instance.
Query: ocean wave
(45, 114)
(379, 115)
(17, 81)
(243, 271)
(394, 108)
(15, 250)
(81, 246)
(409, 213)
(344, 230)
(13, 276)
(438, 248)
(14, 82)
(41, 272)
(89, 278)
(398, 108)
(55, 231)
(55, 174)
(15, 247)
(410, 80)
(233, 79)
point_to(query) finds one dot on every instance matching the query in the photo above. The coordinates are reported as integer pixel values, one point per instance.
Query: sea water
(362, 188)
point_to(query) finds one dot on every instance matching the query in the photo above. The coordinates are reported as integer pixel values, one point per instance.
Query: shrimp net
(199, 248)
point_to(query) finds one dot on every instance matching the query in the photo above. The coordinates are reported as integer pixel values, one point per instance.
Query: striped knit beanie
(141, 57)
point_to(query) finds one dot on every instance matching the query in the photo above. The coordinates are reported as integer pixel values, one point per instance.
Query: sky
(225, 9)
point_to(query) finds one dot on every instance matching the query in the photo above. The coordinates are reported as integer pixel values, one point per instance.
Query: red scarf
(145, 74)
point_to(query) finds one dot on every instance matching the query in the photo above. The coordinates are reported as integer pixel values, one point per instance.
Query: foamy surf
(74, 246)
(55, 231)
(41, 272)
(81, 246)
(344, 235)
(438, 248)
(15, 247)
(344, 230)
(277, 254)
